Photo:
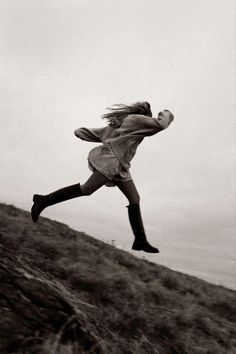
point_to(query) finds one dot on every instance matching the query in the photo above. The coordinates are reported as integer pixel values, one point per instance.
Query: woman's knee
(129, 190)
(95, 181)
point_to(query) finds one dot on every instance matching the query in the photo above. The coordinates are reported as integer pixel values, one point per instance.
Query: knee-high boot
(140, 242)
(43, 201)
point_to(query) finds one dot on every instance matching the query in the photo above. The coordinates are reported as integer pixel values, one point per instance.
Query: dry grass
(125, 304)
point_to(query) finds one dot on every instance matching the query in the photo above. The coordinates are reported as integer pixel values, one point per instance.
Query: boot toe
(37, 207)
(34, 213)
(150, 249)
(144, 246)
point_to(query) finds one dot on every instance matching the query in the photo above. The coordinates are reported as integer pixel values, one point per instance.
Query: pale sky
(64, 61)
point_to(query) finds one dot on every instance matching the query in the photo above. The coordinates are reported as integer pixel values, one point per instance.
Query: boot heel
(137, 245)
(37, 198)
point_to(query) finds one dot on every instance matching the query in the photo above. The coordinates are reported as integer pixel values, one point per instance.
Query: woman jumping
(110, 162)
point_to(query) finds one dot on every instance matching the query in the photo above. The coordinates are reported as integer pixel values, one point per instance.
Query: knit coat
(125, 139)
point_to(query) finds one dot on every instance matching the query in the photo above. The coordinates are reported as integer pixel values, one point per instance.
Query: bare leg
(129, 189)
(95, 181)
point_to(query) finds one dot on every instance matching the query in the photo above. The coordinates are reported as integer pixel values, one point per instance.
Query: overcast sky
(64, 61)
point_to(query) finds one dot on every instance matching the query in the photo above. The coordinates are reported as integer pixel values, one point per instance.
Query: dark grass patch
(124, 304)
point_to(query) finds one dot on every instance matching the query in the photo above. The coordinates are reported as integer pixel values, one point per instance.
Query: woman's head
(120, 111)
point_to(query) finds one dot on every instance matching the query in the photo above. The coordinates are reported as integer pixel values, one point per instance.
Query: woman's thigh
(129, 189)
(94, 182)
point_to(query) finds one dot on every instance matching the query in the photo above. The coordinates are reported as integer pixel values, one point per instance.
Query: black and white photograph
(118, 177)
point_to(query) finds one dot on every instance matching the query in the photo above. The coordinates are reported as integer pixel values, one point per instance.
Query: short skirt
(103, 159)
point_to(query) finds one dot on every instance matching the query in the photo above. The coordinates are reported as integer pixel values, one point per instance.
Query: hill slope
(62, 291)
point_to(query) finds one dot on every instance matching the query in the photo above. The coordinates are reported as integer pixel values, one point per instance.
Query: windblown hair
(118, 112)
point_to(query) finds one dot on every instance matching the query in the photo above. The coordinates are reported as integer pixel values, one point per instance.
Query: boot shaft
(43, 201)
(63, 194)
(136, 222)
(140, 242)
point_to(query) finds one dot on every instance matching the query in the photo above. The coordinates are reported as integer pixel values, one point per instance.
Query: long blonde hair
(118, 112)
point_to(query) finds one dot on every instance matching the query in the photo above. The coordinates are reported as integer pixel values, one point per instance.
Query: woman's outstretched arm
(90, 134)
(146, 126)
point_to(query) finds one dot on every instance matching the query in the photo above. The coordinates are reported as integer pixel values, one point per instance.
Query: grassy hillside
(64, 292)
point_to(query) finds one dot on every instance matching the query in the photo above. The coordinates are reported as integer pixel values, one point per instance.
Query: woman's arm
(145, 126)
(90, 134)
(142, 125)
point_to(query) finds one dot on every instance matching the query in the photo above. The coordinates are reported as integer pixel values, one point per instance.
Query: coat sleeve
(90, 134)
(145, 126)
